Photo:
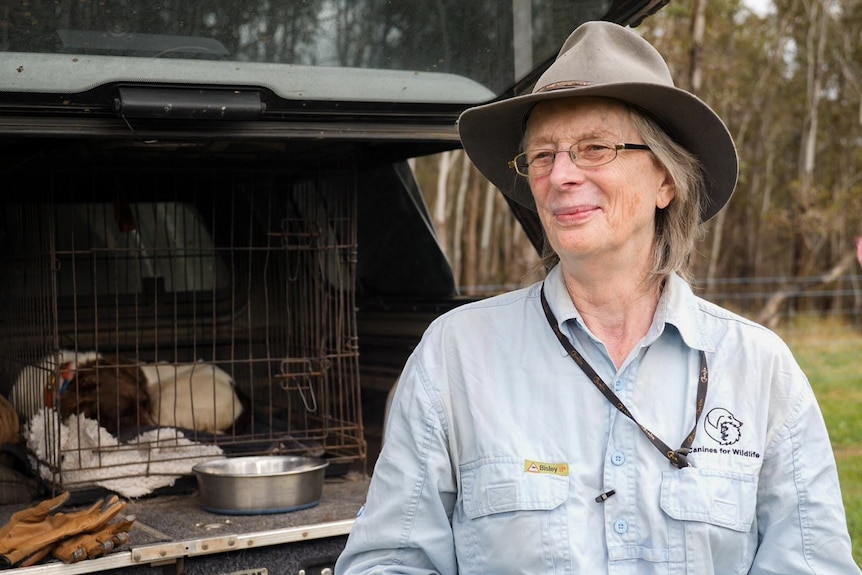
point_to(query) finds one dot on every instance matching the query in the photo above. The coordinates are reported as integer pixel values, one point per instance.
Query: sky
(759, 7)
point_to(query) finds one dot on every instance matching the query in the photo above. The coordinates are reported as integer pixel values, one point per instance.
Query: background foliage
(788, 83)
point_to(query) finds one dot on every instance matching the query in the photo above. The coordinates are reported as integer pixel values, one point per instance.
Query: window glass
(442, 51)
(138, 248)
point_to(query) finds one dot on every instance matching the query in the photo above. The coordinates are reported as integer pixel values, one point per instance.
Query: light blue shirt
(497, 446)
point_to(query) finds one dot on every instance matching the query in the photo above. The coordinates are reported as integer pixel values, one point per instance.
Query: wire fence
(785, 301)
(776, 301)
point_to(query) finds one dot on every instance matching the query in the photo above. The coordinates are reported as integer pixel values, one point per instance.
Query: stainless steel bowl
(260, 484)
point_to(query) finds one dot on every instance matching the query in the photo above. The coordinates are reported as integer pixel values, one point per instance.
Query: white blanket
(90, 455)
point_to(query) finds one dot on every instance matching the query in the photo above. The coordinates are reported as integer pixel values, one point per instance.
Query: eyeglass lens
(584, 154)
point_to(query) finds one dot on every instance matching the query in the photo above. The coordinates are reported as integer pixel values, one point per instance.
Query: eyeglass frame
(616, 147)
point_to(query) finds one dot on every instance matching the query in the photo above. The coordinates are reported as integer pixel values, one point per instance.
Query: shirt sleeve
(405, 527)
(800, 515)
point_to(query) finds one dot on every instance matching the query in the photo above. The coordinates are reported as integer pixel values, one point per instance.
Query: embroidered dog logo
(722, 426)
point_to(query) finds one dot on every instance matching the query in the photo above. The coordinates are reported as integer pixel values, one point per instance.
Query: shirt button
(618, 458)
(620, 526)
(618, 385)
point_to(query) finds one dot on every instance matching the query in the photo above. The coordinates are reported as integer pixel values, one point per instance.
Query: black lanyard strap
(675, 456)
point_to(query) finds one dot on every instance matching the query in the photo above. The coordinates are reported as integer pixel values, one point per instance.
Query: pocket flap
(717, 497)
(502, 485)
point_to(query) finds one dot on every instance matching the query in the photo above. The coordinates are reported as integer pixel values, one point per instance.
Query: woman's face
(606, 211)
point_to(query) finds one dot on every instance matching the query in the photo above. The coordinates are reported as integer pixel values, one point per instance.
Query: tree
(789, 86)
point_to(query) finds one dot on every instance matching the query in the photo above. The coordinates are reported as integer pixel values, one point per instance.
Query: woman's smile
(573, 215)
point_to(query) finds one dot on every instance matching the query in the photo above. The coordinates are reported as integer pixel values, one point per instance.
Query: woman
(604, 420)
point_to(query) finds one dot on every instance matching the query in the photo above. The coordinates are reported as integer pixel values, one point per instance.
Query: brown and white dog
(123, 394)
(199, 396)
(110, 390)
(36, 385)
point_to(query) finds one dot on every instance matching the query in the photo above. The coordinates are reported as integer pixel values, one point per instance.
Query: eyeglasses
(584, 154)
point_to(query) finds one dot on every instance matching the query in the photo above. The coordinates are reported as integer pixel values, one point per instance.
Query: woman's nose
(564, 170)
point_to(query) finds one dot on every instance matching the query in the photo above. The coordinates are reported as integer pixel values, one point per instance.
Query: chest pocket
(511, 520)
(716, 497)
(502, 486)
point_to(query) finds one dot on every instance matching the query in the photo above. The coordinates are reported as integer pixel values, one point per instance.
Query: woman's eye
(541, 157)
(594, 147)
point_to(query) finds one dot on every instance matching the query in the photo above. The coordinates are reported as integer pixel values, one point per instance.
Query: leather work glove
(22, 526)
(95, 543)
(31, 534)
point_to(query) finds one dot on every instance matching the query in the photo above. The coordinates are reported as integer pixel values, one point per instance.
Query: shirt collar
(558, 297)
(678, 306)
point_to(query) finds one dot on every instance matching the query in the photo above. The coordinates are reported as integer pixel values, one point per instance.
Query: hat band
(562, 86)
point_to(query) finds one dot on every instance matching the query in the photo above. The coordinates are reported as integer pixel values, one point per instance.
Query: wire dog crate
(158, 315)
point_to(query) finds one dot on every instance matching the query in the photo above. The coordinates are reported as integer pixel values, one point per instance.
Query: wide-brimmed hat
(606, 60)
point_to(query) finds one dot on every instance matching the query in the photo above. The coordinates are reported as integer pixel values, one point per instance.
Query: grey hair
(677, 226)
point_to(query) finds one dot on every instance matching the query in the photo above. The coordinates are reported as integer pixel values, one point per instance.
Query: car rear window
(406, 51)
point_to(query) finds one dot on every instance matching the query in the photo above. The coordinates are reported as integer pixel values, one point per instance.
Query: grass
(829, 352)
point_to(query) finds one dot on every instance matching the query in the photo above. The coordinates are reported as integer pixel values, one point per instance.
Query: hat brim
(491, 135)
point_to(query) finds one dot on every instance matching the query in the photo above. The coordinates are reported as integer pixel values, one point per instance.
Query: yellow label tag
(550, 468)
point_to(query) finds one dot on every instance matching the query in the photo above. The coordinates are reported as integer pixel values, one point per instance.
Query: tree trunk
(769, 315)
(486, 251)
(472, 255)
(815, 43)
(698, 33)
(459, 215)
(441, 200)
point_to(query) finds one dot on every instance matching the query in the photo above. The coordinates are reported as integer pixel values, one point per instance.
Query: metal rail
(170, 552)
